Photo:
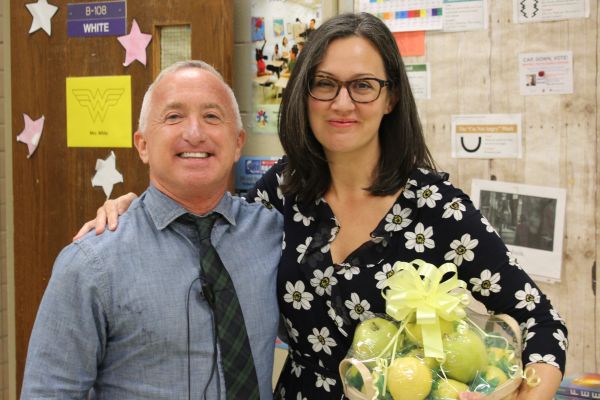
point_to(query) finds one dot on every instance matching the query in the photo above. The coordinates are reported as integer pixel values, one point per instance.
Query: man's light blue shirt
(116, 312)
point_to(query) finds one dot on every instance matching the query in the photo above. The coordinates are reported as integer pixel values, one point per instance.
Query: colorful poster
(257, 29)
(486, 136)
(265, 118)
(546, 73)
(411, 43)
(99, 111)
(406, 15)
(251, 169)
(278, 30)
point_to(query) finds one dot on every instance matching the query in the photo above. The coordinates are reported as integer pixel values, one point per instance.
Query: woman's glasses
(363, 90)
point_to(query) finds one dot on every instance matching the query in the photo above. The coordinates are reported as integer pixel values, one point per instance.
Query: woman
(359, 191)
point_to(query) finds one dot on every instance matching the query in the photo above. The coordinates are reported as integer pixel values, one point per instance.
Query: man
(126, 314)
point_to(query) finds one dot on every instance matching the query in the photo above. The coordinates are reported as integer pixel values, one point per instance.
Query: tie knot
(205, 225)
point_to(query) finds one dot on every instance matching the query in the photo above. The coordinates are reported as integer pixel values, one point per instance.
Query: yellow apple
(418, 352)
(465, 355)
(494, 375)
(449, 389)
(414, 334)
(371, 338)
(409, 379)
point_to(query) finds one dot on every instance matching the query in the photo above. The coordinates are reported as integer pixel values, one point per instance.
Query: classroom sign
(99, 111)
(108, 18)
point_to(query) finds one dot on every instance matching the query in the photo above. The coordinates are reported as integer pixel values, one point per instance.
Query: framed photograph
(529, 219)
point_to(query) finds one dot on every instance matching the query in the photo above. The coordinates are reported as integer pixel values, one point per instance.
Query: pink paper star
(32, 133)
(135, 44)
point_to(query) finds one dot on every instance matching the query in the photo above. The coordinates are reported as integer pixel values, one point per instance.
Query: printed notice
(465, 15)
(486, 136)
(525, 11)
(546, 73)
(419, 77)
(99, 111)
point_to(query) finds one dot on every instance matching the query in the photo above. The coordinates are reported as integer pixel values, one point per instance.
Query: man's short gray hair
(143, 121)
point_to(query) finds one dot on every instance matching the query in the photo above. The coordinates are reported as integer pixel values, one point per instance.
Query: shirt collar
(163, 210)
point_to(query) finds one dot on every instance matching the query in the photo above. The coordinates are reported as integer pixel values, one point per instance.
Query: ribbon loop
(420, 294)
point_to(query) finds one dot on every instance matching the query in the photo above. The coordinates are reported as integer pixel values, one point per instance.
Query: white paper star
(107, 174)
(41, 12)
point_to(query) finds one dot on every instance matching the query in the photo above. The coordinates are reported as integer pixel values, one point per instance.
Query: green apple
(494, 375)
(409, 379)
(495, 354)
(449, 389)
(414, 334)
(371, 338)
(465, 355)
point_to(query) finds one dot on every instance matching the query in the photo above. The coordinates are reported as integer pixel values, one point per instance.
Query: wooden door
(53, 195)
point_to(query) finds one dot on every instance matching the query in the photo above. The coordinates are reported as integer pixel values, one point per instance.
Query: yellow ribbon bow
(421, 292)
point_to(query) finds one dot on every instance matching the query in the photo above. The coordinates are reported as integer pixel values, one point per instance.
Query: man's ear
(141, 145)
(241, 140)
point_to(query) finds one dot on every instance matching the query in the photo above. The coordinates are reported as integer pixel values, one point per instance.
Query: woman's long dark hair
(403, 147)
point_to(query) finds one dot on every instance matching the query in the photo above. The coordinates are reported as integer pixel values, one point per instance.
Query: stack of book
(579, 386)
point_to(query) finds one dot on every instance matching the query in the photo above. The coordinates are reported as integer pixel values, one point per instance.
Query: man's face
(191, 141)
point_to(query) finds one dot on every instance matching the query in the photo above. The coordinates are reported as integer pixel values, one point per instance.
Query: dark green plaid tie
(241, 381)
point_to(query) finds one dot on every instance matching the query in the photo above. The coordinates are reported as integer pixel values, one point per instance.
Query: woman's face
(341, 125)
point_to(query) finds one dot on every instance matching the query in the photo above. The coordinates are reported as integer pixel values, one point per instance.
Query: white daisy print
(486, 283)
(409, 194)
(556, 316)
(359, 309)
(299, 396)
(332, 234)
(548, 359)
(348, 270)
(283, 241)
(424, 171)
(512, 260)
(324, 382)
(563, 342)
(299, 217)
(525, 327)
(339, 322)
(398, 219)
(263, 197)
(454, 208)
(462, 249)
(297, 369)
(279, 192)
(428, 195)
(301, 248)
(382, 276)
(323, 281)
(292, 332)
(528, 297)
(420, 238)
(320, 340)
(488, 226)
(297, 296)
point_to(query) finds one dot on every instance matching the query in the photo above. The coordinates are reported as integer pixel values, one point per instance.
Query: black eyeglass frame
(340, 84)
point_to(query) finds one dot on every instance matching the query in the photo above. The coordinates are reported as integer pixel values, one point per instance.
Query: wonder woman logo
(98, 102)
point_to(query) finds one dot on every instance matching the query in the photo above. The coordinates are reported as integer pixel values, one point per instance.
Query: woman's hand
(109, 212)
(549, 381)
(470, 396)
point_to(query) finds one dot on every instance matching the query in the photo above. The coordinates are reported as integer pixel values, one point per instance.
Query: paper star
(107, 174)
(41, 12)
(135, 44)
(32, 133)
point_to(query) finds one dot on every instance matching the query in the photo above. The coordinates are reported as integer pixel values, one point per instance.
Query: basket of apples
(429, 345)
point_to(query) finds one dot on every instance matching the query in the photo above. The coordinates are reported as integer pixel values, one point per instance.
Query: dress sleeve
(495, 277)
(69, 335)
(267, 189)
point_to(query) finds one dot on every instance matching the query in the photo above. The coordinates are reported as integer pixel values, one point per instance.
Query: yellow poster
(99, 111)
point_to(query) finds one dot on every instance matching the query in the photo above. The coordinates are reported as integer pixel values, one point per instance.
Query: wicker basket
(506, 391)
